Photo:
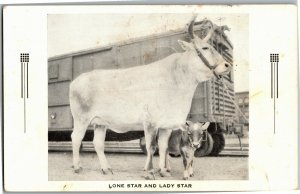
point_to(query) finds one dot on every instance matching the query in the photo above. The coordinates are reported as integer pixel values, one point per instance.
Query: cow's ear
(189, 123)
(184, 128)
(205, 125)
(185, 45)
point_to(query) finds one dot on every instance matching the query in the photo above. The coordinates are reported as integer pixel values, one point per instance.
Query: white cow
(157, 95)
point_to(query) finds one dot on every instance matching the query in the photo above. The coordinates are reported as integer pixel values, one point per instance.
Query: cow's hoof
(192, 174)
(78, 170)
(78, 167)
(164, 174)
(168, 169)
(150, 176)
(185, 178)
(107, 171)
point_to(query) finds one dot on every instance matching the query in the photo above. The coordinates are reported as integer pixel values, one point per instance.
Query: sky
(74, 32)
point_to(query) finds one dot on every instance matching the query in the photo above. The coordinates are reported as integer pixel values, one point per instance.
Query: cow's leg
(163, 141)
(190, 169)
(77, 136)
(99, 139)
(150, 138)
(168, 166)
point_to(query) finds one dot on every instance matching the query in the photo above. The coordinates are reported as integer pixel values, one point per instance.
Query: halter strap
(205, 61)
(191, 141)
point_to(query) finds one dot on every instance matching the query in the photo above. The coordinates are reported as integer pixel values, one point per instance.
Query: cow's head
(195, 133)
(202, 52)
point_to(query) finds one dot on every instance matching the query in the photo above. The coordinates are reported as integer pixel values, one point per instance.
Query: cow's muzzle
(196, 145)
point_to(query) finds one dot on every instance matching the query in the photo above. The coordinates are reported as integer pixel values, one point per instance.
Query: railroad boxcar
(211, 102)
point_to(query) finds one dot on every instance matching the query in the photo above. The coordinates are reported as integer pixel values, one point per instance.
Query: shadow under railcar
(110, 135)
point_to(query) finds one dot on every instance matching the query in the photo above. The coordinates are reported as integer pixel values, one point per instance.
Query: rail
(134, 147)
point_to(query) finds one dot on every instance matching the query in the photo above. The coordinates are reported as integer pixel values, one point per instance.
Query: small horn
(183, 128)
(205, 125)
(189, 123)
(191, 27)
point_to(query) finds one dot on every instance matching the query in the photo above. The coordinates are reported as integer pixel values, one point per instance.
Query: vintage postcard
(150, 98)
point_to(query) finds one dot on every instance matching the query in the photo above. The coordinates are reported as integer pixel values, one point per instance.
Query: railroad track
(235, 151)
(133, 147)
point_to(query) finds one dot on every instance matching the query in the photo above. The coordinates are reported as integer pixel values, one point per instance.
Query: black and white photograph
(148, 96)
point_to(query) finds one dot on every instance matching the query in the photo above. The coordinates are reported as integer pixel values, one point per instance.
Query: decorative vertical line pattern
(22, 80)
(274, 60)
(271, 80)
(24, 99)
(24, 59)
(277, 77)
(27, 79)
(24, 85)
(274, 109)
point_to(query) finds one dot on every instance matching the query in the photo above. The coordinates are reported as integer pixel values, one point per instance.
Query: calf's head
(203, 57)
(195, 133)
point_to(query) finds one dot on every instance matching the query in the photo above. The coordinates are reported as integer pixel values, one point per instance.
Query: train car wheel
(219, 143)
(206, 148)
(143, 145)
(210, 143)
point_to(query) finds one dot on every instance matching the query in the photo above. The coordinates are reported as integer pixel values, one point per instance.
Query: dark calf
(185, 142)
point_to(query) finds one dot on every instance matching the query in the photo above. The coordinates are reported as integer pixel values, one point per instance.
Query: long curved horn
(224, 28)
(210, 33)
(191, 27)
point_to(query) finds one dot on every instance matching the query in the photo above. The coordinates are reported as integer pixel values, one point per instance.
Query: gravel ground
(130, 167)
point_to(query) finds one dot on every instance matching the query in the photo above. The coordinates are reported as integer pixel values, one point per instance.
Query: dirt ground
(130, 167)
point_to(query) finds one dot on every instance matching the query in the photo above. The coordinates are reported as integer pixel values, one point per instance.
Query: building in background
(242, 100)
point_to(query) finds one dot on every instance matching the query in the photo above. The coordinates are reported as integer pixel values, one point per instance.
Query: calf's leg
(190, 169)
(185, 166)
(77, 136)
(163, 141)
(99, 139)
(168, 166)
(187, 156)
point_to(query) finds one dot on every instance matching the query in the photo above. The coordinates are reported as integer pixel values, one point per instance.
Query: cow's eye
(205, 48)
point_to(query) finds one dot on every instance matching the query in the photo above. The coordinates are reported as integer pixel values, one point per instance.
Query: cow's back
(129, 96)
